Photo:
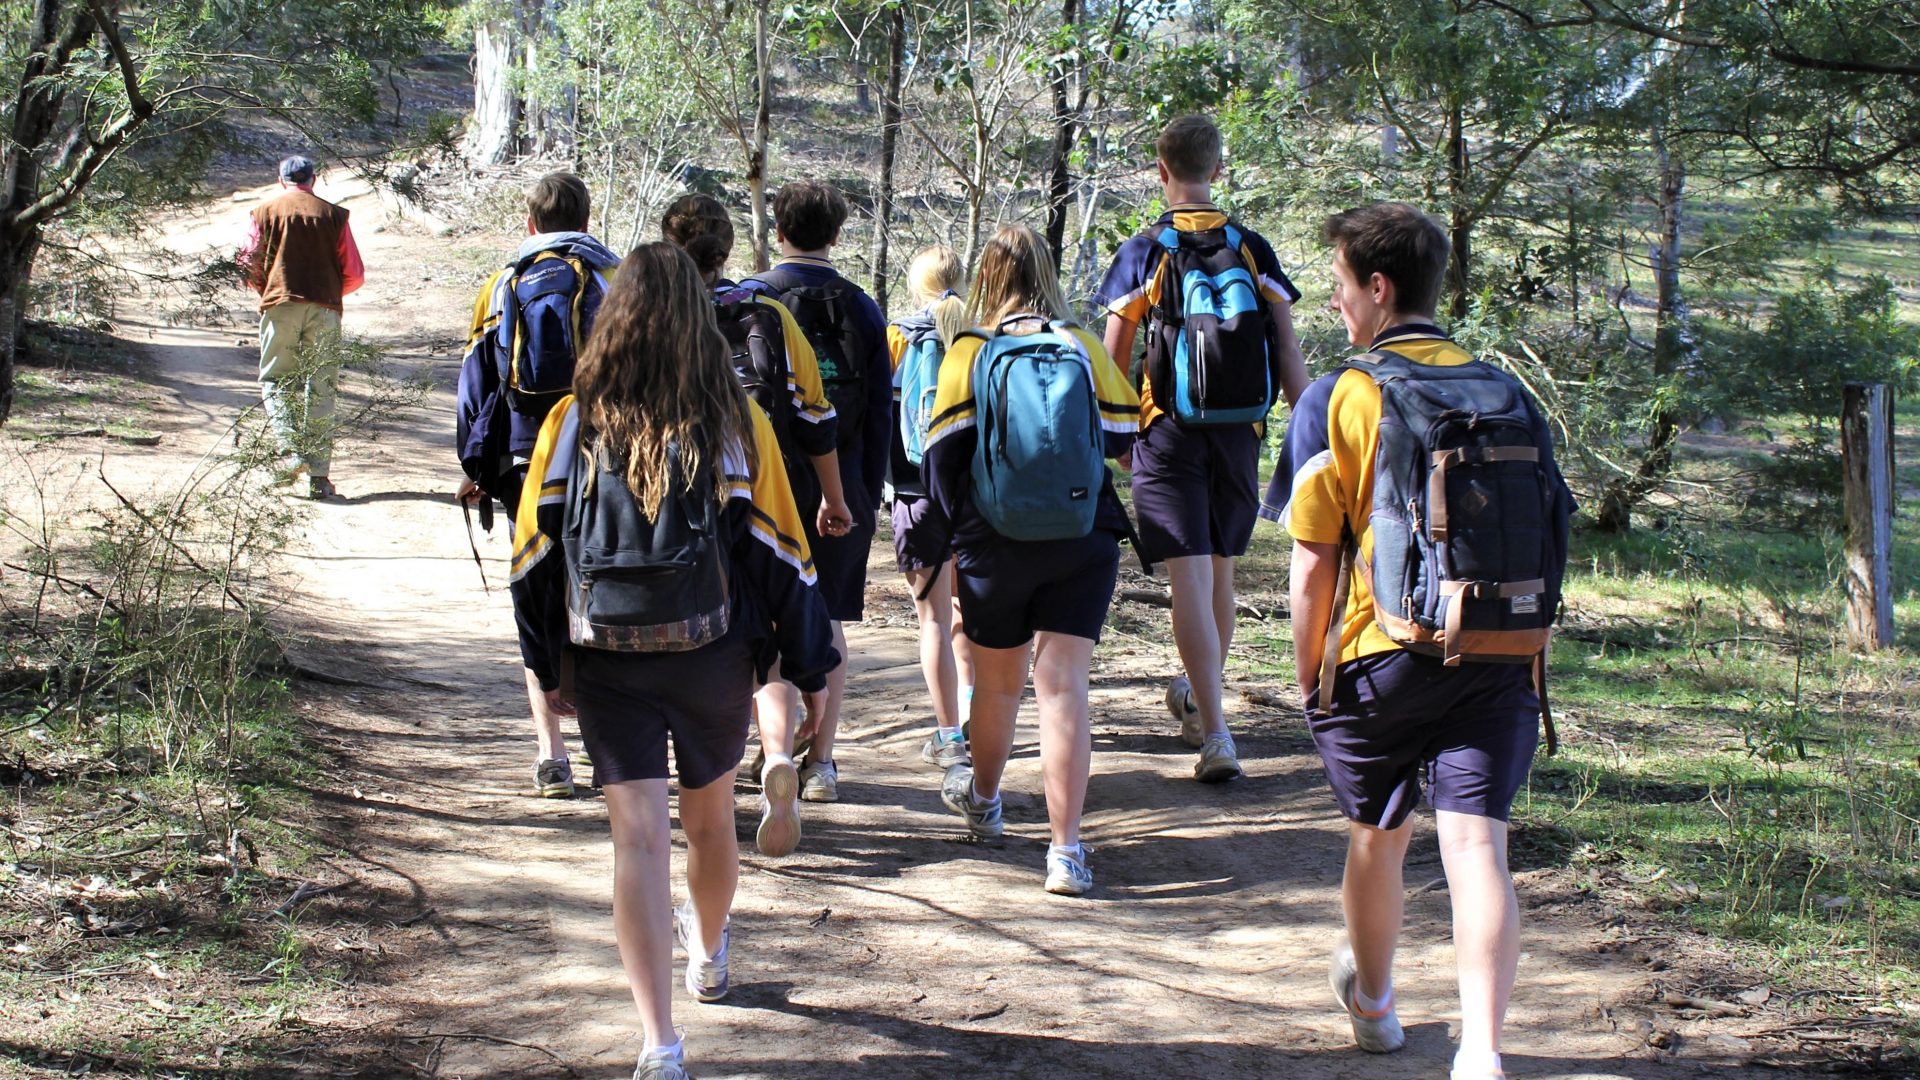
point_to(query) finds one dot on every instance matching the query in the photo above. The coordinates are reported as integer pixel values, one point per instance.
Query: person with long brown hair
(1042, 601)
(656, 404)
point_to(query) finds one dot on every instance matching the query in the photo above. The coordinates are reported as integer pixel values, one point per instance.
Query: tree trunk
(889, 144)
(1674, 347)
(16, 268)
(493, 137)
(1460, 226)
(1060, 186)
(762, 123)
(862, 86)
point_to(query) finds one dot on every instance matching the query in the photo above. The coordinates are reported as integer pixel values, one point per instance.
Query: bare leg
(1196, 633)
(773, 708)
(713, 856)
(836, 695)
(546, 721)
(1060, 667)
(1223, 605)
(1486, 924)
(935, 613)
(1374, 896)
(1000, 675)
(643, 900)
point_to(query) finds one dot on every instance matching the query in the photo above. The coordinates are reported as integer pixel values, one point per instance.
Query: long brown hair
(1016, 275)
(655, 376)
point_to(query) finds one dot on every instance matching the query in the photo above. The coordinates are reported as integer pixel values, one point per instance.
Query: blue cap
(297, 170)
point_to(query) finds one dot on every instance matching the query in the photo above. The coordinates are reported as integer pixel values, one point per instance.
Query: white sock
(673, 1051)
(1366, 1004)
(1476, 1063)
(948, 734)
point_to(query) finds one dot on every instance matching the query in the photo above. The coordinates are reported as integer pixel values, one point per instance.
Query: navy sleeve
(1306, 439)
(877, 438)
(1267, 265)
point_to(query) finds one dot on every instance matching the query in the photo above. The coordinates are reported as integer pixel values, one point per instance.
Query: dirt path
(888, 946)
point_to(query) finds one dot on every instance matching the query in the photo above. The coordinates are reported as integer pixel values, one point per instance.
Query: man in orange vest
(300, 257)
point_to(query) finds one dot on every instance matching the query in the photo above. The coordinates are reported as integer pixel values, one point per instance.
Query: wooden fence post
(1866, 452)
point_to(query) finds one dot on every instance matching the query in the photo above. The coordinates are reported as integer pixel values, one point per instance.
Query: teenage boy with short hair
(1394, 712)
(849, 336)
(558, 207)
(1196, 489)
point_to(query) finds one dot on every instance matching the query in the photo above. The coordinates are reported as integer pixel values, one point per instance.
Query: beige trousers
(299, 371)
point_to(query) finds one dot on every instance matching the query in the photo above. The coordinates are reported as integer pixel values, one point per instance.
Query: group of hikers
(693, 469)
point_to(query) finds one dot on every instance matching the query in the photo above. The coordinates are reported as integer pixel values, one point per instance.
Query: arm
(815, 427)
(1310, 588)
(1118, 340)
(772, 555)
(834, 517)
(1290, 365)
(353, 273)
(877, 445)
(248, 256)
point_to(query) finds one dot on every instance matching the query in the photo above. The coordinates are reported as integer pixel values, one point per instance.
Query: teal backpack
(1040, 458)
(918, 381)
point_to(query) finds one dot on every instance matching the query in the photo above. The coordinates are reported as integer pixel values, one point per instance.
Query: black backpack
(1470, 519)
(757, 338)
(825, 315)
(641, 585)
(1208, 343)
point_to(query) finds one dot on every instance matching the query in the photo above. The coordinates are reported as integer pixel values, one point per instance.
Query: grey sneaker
(819, 782)
(1180, 705)
(943, 753)
(1067, 874)
(956, 791)
(1218, 762)
(780, 810)
(706, 975)
(758, 768)
(655, 1067)
(1378, 1032)
(553, 778)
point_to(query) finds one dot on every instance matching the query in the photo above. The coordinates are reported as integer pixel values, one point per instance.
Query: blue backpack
(1040, 459)
(918, 380)
(1208, 351)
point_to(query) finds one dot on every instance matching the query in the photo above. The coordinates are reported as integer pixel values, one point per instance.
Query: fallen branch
(477, 1037)
(1708, 1005)
(306, 891)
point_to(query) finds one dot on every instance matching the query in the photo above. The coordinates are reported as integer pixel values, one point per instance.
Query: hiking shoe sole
(780, 817)
(1219, 762)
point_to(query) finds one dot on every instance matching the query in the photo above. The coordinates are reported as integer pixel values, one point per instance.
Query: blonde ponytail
(935, 277)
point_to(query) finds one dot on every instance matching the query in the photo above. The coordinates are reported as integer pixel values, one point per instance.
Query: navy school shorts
(632, 704)
(911, 549)
(1013, 589)
(1471, 730)
(1196, 491)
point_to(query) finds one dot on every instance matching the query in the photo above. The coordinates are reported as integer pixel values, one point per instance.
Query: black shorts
(911, 550)
(1014, 589)
(1196, 491)
(535, 596)
(631, 704)
(1471, 729)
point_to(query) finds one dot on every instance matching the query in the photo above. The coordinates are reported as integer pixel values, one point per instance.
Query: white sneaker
(1181, 707)
(1219, 760)
(779, 811)
(1376, 1032)
(819, 782)
(661, 1067)
(706, 975)
(1067, 873)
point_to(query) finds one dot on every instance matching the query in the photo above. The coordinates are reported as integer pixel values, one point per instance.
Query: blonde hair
(655, 376)
(1016, 275)
(931, 276)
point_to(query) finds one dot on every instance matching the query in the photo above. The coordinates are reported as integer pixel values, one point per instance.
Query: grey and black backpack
(636, 584)
(1470, 518)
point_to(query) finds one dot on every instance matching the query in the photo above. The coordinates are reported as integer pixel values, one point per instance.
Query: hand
(469, 493)
(834, 519)
(1125, 461)
(559, 703)
(816, 706)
